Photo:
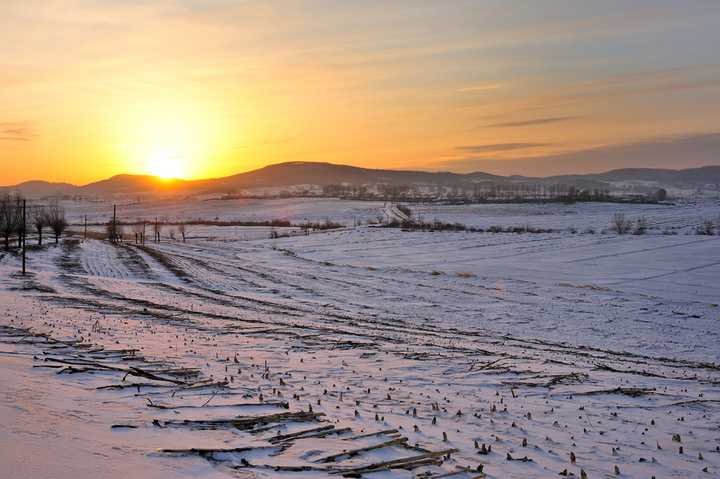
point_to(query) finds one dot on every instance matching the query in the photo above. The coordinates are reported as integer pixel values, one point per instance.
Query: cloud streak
(674, 152)
(370, 83)
(17, 132)
(500, 147)
(539, 121)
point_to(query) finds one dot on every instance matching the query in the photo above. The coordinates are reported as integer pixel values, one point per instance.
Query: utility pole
(86, 226)
(24, 237)
(114, 230)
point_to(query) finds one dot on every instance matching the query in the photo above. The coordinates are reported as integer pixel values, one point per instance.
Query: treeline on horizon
(489, 193)
(17, 217)
(16, 220)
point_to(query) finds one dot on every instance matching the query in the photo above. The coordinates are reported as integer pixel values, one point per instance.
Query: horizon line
(160, 179)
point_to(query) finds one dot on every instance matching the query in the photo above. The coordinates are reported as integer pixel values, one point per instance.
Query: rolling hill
(290, 174)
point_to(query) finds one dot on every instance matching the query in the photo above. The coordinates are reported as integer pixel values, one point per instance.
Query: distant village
(487, 192)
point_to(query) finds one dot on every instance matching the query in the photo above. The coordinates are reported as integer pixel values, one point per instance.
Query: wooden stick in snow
(283, 437)
(384, 433)
(200, 450)
(355, 452)
(397, 462)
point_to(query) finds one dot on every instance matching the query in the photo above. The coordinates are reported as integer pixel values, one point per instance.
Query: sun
(166, 165)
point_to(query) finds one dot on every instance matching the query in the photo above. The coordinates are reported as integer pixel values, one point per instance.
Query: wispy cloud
(539, 121)
(500, 147)
(384, 83)
(660, 152)
(275, 141)
(492, 86)
(16, 131)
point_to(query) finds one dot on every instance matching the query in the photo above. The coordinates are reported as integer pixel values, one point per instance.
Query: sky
(211, 88)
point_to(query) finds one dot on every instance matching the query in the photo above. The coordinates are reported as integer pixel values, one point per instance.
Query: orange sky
(195, 89)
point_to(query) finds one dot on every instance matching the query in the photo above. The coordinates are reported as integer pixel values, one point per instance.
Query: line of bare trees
(39, 217)
(622, 225)
(116, 230)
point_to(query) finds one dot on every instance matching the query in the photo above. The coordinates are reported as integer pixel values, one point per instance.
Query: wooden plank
(283, 437)
(135, 371)
(134, 385)
(247, 422)
(385, 433)
(279, 404)
(355, 452)
(396, 462)
(201, 450)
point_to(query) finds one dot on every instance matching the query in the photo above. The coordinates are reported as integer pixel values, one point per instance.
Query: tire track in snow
(641, 250)
(401, 320)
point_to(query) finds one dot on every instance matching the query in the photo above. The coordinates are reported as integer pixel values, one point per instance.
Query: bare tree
(18, 219)
(56, 220)
(707, 229)
(9, 215)
(38, 217)
(620, 224)
(158, 230)
(182, 230)
(139, 228)
(641, 227)
(6, 225)
(110, 230)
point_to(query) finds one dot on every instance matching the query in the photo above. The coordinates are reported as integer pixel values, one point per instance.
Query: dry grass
(465, 274)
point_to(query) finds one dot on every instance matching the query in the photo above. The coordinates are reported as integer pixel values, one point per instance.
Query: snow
(537, 345)
(55, 428)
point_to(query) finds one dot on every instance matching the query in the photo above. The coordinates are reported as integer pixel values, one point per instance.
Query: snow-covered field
(366, 352)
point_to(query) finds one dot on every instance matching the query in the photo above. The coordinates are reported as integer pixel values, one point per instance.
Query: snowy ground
(336, 353)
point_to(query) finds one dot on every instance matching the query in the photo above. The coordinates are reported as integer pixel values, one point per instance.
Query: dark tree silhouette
(620, 224)
(641, 227)
(38, 217)
(10, 215)
(20, 225)
(56, 220)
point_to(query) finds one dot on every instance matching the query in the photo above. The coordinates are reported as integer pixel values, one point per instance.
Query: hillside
(285, 175)
(130, 184)
(38, 189)
(305, 173)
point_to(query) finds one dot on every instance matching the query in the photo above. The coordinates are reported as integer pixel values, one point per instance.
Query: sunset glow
(294, 239)
(166, 166)
(209, 89)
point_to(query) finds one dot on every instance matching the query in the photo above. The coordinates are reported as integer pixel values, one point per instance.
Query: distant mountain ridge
(285, 175)
(37, 188)
(132, 184)
(308, 173)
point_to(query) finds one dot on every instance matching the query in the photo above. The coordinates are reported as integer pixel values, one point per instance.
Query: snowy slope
(245, 356)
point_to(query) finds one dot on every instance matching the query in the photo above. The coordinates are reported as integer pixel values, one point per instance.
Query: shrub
(641, 227)
(621, 225)
(405, 210)
(706, 229)
(328, 224)
(465, 274)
